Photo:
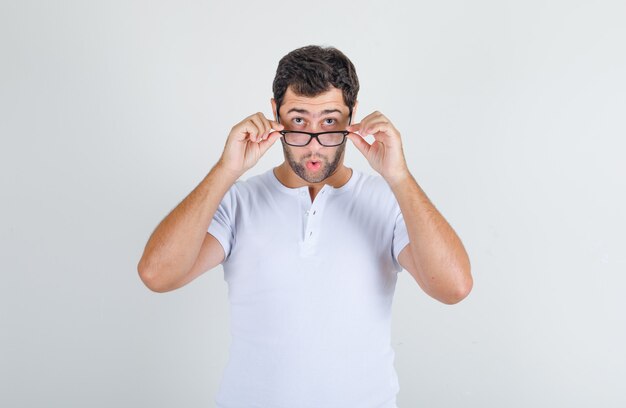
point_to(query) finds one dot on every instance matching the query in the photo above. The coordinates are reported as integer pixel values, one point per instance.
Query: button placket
(313, 216)
(305, 203)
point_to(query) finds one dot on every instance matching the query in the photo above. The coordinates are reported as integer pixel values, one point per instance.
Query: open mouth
(313, 165)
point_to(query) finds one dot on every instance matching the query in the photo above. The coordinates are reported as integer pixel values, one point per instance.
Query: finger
(271, 139)
(270, 126)
(260, 128)
(360, 143)
(354, 128)
(246, 130)
(368, 117)
(267, 127)
(276, 126)
(364, 127)
(378, 128)
(367, 122)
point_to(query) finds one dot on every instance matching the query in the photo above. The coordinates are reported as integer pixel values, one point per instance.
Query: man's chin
(316, 177)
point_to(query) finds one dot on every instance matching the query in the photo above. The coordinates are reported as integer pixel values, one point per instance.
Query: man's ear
(356, 105)
(273, 101)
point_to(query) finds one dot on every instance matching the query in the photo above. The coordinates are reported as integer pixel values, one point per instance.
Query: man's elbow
(460, 290)
(150, 277)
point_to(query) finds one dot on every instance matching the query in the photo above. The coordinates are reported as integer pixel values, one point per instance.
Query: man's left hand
(385, 154)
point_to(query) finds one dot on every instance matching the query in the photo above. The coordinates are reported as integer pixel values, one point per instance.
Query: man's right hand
(180, 248)
(247, 142)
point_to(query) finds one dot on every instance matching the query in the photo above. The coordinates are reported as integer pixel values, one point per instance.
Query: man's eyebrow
(306, 112)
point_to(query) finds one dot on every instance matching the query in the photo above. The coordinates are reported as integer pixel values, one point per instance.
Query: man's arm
(174, 247)
(435, 256)
(180, 249)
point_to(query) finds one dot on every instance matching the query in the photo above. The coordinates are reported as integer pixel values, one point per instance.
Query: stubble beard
(327, 168)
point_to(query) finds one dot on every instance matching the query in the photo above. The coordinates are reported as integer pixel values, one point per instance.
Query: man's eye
(330, 121)
(298, 121)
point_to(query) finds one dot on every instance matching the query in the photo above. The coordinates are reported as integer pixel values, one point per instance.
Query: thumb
(360, 143)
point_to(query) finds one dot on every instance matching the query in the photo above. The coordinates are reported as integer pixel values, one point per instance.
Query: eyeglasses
(328, 139)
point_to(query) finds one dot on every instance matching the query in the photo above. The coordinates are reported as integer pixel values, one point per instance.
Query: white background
(513, 120)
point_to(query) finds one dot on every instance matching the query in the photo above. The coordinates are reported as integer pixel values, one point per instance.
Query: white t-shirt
(310, 286)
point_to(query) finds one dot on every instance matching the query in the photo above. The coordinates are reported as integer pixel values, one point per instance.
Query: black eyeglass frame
(315, 135)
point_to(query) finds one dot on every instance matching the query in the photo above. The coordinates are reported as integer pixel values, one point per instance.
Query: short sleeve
(222, 224)
(400, 238)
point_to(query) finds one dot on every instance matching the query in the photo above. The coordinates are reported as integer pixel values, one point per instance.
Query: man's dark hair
(312, 70)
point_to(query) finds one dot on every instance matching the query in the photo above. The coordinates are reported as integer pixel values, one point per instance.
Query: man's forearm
(441, 262)
(175, 244)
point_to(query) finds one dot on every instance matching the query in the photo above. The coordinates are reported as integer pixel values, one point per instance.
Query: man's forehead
(325, 103)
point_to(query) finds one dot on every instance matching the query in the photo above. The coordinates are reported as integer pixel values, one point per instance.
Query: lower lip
(313, 166)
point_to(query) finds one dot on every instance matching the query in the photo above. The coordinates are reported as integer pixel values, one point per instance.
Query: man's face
(325, 112)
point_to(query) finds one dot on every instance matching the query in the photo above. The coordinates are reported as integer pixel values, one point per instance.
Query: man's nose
(314, 144)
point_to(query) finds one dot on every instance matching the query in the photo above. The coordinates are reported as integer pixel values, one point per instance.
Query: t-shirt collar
(273, 180)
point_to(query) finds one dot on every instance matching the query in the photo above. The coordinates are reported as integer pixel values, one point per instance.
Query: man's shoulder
(372, 183)
(252, 185)
(255, 180)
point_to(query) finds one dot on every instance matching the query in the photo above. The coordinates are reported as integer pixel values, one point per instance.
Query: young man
(310, 249)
